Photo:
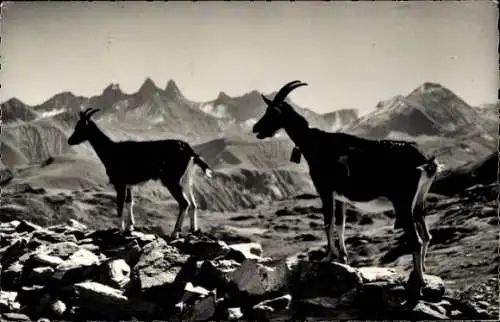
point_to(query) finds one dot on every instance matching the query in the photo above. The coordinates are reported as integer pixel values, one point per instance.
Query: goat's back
(138, 161)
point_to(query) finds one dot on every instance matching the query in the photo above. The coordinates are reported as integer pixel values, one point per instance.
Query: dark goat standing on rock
(129, 163)
(368, 174)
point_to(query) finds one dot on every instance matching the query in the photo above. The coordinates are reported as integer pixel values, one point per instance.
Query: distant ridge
(220, 130)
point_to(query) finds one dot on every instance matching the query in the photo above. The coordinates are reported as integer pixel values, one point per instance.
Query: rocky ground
(68, 271)
(258, 264)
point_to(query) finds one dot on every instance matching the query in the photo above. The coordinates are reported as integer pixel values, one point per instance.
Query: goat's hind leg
(328, 211)
(180, 196)
(187, 184)
(340, 218)
(192, 210)
(120, 201)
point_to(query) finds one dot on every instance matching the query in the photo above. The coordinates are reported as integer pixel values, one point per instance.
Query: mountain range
(220, 130)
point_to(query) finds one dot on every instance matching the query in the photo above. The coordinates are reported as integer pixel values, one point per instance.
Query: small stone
(257, 279)
(63, 249)
(81, 259)
(90, 247)
(434, 289)
(48, 260)
(423, 311)
(202, 310)
(234, 313)
(323, 279)
(205, 249)
(58, 308)
(483, 304)
(26, 226)
(248, 250)
(76, 224)
(8, 301)
(29, 295)
(276, 304)
(145, 238)
(15, 317)
(52, 237)
(43, 320)
(118, 273)
(11, 277)
(215, 274)
(12, 252)
(376, 274)
(41, 275)
(196, 289)
(85, 241)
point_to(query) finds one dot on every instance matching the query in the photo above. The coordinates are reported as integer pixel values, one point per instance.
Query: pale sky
(352, 54)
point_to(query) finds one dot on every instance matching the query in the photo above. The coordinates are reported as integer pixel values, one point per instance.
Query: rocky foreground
(70, 272)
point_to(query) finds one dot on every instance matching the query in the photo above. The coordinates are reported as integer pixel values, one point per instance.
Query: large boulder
(104, 301)
(158, 266)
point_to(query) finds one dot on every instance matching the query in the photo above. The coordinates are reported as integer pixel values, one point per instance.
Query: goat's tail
(432, 166)
(203, 165)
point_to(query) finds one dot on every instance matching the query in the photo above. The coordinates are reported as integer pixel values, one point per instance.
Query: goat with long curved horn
(283, 92)
(367, 174)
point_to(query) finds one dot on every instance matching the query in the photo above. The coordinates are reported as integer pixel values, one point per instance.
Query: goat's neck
(298, 131)
(100, 142)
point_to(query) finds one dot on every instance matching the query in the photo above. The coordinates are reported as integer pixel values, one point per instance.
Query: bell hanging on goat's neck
(296, 155)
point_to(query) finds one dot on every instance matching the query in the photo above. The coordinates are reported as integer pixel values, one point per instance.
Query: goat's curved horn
(287, 89)
(92, 112)
(88, 112)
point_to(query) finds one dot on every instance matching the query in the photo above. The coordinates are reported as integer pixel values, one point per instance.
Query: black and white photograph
(249, 160)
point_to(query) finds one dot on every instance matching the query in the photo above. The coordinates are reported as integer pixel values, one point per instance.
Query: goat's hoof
(342, 259)
(126, 232)
(328, 258)
(409, 304)
(195, 232)
(175, 236)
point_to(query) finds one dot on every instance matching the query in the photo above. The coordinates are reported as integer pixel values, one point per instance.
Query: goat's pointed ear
(267, 100)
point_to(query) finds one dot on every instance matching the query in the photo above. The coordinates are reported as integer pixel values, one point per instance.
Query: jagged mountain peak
(14, 101)
(429, 85)
(223, 97)
(113, 87)
(148, 87)
(172, 90)
(15, 110)
(61, 96)
(431, 88)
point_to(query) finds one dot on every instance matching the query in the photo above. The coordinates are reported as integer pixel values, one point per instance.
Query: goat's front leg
(120, 200)
(130, 201)
(328, 210)
(340, 218)
(416, 280)
(192, 210)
